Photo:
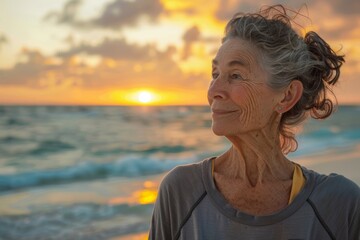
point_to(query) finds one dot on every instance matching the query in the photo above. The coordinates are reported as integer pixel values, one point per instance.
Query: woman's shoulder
(336, 201)
(333, 193)
(333, 185)
(184, 176)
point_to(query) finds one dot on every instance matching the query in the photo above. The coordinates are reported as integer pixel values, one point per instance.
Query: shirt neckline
(225, 208)
(298, 180)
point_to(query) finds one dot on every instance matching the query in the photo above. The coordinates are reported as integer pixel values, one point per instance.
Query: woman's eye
(236, 76)
(214, 75)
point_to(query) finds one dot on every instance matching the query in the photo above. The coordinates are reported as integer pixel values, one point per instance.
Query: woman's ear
(292, 95)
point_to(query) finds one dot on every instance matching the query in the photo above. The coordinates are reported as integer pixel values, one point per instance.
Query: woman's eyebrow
(232, 63)
(237, 62)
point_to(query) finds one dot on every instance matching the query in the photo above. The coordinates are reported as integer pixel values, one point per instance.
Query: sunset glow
(145, 97)
(138, 97)
(146, 195)
(73, 52)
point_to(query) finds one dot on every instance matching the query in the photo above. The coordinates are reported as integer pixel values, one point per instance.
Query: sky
(133, 52)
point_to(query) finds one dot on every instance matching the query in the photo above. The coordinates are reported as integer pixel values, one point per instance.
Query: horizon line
(126, 105)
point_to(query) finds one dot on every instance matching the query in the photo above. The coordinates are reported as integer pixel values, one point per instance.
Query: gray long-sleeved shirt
(190, 207)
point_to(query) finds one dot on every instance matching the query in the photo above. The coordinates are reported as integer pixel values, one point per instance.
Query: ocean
(92, 172)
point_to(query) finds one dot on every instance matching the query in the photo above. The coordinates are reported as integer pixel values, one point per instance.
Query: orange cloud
(114, 15)
(105, 72)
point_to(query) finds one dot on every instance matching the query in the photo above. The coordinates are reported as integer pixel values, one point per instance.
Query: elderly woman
(265, 80)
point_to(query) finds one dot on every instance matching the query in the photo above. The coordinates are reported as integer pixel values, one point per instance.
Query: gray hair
(287, 56)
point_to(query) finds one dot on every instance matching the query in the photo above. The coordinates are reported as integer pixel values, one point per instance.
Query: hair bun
(329, 65)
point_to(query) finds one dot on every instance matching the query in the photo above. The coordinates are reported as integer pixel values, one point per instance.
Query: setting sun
(145, 97)
(154, 97)
(142, 96)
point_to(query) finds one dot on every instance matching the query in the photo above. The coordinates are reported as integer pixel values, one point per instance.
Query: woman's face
(239, 97)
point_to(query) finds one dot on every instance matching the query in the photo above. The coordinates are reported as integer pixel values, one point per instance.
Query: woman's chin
(218, 131)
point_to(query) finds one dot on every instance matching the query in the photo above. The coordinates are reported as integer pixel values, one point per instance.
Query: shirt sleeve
(337, 201)
(354, 227)
(180, 188)
(160, 226)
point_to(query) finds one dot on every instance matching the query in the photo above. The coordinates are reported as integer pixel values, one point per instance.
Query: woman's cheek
(247, 100)
(247, 96)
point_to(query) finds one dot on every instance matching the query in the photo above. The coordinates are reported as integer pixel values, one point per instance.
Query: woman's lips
(222, 112)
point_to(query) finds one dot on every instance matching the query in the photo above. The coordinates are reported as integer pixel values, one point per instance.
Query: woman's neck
(255, 157)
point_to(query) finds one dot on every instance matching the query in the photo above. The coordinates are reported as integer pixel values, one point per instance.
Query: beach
(63, 178)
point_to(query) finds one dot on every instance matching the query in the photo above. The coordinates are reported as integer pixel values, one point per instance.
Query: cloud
(68, 15)
(158, 73)
(337, 19)
(115, 15)
(3, 40)
(190, 36)
(122, 65)
(24, 73)
(69, 40)
(120, 13)
(117, 49)
(227, 8)
(336, 22)
(345, 7)
(194, 36)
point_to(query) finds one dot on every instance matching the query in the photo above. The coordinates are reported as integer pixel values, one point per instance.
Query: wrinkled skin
(253, 175)
(240, 88)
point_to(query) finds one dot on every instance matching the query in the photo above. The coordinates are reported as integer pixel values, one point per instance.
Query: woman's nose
(217, 89)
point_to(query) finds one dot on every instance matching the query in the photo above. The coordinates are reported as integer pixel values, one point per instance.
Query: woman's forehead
(236, 52)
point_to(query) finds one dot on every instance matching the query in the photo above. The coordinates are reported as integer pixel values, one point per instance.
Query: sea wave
(77, 221)
(11, 139)
(144, 150)
(85, 171)
(324, 139)
(16, 122)
(51, 146)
